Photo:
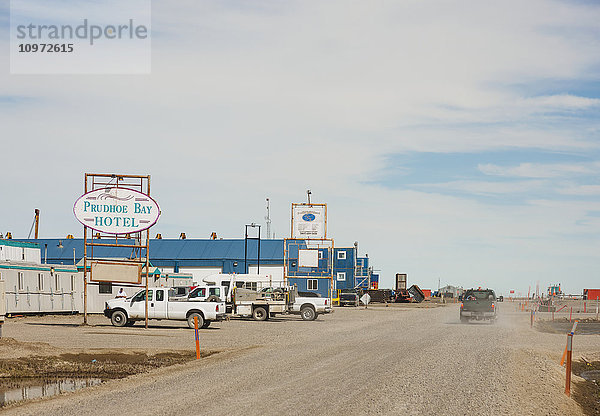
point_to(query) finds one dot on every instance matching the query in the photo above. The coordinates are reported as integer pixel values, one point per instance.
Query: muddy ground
(586, 391)
(585, 326)
(104, 364)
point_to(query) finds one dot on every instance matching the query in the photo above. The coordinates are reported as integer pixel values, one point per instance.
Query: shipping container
(591, 294)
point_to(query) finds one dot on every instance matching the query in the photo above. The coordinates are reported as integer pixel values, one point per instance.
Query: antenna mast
(268, 218)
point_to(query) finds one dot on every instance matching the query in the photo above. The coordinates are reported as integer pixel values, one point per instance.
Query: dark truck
(479, 304)
(349, 297)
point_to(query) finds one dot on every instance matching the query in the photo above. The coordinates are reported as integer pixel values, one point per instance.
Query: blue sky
(455, 140)
(503, 176)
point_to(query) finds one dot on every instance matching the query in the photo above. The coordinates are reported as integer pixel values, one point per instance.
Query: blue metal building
(344, 267)
(177, 256)
(204, 257)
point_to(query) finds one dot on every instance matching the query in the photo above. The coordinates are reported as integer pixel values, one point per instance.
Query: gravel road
(376, 361)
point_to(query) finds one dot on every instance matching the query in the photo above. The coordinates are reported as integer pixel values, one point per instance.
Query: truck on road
(126, 311)
(478, 304)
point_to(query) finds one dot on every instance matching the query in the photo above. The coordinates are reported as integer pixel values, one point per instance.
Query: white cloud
(589, 190)
(486, 187)
(561, 101)
(540, 170)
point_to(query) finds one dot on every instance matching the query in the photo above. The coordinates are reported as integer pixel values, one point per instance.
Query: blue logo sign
(308, 217)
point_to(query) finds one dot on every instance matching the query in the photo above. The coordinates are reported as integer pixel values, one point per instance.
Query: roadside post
(562, 360)
(197, 338)
(2, 306)
(571, 314)
(569, 356)
(531, 319)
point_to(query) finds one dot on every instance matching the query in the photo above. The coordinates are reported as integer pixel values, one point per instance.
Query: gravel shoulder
(382, 360)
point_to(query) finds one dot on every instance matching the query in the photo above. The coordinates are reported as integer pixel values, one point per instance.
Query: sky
(456, 141)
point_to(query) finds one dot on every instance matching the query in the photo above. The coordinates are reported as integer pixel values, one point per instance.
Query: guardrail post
(569, 357)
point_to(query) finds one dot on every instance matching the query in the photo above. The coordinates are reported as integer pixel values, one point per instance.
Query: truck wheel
(118, 318)
(206, 324)
(190, 320)
(308, 314)
(259, 314)
(213, 298)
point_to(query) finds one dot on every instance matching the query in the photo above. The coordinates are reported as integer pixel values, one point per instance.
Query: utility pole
(37, 222)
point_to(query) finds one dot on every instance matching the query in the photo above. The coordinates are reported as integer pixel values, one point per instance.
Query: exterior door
(157, 309)
(137, 308)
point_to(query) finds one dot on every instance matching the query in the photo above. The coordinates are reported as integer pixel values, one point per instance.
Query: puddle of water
(17, 390)
(592, 375)
(558, 327)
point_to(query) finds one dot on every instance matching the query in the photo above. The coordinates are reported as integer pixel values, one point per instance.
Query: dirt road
(380, 360)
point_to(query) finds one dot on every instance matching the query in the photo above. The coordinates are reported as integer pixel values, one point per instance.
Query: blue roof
(183, 251)
(15, 243)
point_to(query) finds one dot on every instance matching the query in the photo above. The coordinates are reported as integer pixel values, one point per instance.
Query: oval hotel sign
(116, 210)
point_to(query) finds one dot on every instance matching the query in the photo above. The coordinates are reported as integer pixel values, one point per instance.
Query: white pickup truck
(260, 305)
(310, 307)
(126, 311)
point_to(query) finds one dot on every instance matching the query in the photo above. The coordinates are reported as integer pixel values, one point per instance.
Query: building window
(320, 255)
(72, 283)
(251, 285)
(23, 254)
(57, 282)
(40, 281)
(342, 255)
(21, 281)
(341, 276)
(105, 287)
(312, 284)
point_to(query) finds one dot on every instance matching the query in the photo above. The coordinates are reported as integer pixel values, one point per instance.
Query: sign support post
(116, 205)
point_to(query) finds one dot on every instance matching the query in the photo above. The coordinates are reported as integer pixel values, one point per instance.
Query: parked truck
(272, 301)
(126, 311)
(310, 307)
(252, 296)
